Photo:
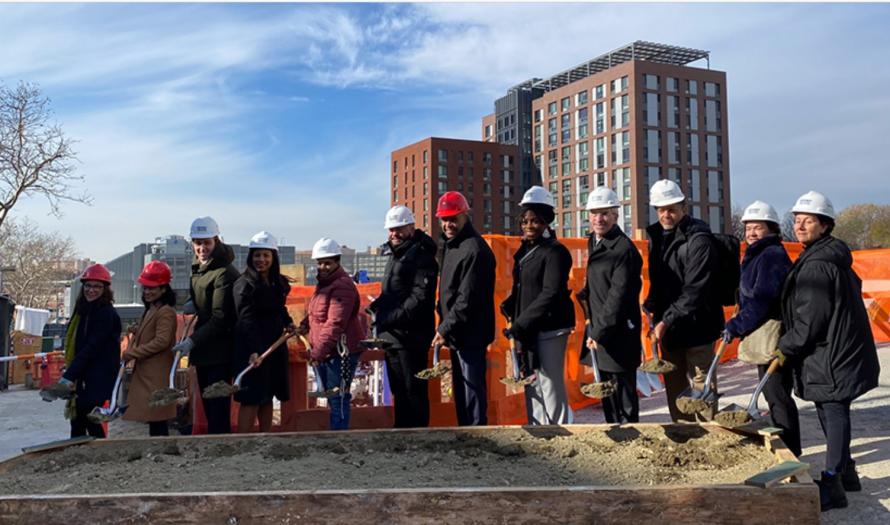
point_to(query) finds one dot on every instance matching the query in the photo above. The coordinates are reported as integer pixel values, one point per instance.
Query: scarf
(70, 338)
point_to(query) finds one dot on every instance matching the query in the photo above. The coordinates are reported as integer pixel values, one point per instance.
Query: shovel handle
(437, 349)
(596, 367)
(721, 349)
(752, 405)
(274, 346)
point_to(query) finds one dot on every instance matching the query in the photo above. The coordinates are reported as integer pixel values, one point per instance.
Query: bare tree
(737, 228)
(788, 227)
(36, 158)
(38, 258)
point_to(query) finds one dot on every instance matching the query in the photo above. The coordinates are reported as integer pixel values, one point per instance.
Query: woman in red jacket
(334, 329)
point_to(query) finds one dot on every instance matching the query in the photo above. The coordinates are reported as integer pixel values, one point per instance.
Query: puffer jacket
(683, 278)
(466, 291)
(262, 318)
(612, 292)
(97, 354)
(826, 333)
(211, 291)
(539, 300)
(332, 311)
(764, 267)
(406, 308)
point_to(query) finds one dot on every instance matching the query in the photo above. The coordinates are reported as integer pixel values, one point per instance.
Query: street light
(5, 269)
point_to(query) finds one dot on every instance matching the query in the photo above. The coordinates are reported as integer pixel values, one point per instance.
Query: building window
(553, 188)
(691, 113)
(715, 186)
(443, 187)
(565, 103)
(582, 123)
(539, 115)
(425, 156)
(426, 188)
(551, 108)
(395, 181)
(692, 149)
(712, 115)
(673, 112)
(551, 132)
(395, 166)
(626, 219)
(600, 179)
(581, 98)
(583, 156)
(651, 81)
(625, 147)
(506, 223)
(486, 159)
(673, 147)
(600, 91)
(713, 152)
(600, 161)
(443, 172)
(600, 118)
(691, 87)
(695, 180)
(652, 152)
(619, 84)
(470, 157)
(506, 174)
(395, 196)
(652, 109)
(712, 89)
(566, 160)
(672, 84)
(567, 200)
(443, 155)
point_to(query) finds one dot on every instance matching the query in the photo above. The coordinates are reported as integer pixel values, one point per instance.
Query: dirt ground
(501, 458)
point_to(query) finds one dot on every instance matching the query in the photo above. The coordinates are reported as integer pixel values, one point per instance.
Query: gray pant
(687, 360)
(546, 402)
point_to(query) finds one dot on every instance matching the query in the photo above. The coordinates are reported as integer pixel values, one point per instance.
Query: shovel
(114, 411)
(656, 365)
(374, 341)
(517, 378)
(693, 400)
(170, 395)
(439, 368)
(735, 416)
(598, 389)
(224, 389)
(319, 379)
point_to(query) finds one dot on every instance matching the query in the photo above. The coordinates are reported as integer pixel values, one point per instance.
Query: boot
(850, 478)
(831, 492)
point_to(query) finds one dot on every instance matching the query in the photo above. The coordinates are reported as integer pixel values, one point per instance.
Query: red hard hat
(155, 273)
(96, 272)
(451, 203)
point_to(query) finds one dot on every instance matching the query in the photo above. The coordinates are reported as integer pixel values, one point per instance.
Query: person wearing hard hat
(210, 345)
(612, 292)
(334, 328)
(758, 320)
(684, 299)
(92, 353)
(149, 348)
(261, 318)
(827, 339)
(405, 314)
(466, 306)
(540, 309)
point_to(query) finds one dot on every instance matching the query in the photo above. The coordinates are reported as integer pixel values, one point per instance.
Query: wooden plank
(769, 431)
(61, 443)
(740, 505)
(777, 473)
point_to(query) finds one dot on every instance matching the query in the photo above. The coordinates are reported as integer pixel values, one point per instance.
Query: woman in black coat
(541, 309)
(262, 318)
(827, 339)
(764, 268)
(92, 351)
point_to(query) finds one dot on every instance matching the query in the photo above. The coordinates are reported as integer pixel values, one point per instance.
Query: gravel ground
(26, 420)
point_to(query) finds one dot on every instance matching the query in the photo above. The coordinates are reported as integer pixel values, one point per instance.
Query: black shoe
(831, 492)
(850, 478)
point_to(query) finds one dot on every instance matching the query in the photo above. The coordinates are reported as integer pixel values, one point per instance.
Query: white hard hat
(814, 202)
(537, 195)
(325, 247)
(760, 211)
(664, 193)
(398, 216)
(264, 240)
(601, 198)
(204, 228)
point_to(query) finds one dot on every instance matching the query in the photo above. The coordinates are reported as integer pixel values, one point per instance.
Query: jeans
(331, 371)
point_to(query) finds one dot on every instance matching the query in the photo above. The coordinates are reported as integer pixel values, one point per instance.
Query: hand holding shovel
(170, 395)
(693, 400)
(735, 416)
(320, 390)
(521, 376)
(103, 415)
(224, 389)
(656, 365)
(598, 389)
(374, 341)
(439, 368)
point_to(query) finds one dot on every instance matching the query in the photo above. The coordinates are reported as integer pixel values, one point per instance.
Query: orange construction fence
(507, 404)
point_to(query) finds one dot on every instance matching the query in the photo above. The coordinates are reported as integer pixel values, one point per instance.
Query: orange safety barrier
(507, 404)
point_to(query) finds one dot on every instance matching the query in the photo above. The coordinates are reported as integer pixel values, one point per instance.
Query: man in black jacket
(466, 306)
(683, 294)
(612, 292)
(405, 314)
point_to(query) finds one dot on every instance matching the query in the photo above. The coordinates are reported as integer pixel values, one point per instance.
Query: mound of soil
(548, 456)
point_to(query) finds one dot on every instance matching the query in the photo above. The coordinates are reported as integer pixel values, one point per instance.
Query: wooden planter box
(793, 501)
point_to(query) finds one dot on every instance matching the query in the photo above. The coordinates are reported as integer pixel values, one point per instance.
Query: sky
(282, 117)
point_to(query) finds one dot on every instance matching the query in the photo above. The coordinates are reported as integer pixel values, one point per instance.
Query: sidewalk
(27, 420)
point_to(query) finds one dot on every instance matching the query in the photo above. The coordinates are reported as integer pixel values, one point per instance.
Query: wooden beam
(777, 473)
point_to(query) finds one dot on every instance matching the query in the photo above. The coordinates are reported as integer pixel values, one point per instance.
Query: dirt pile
(497, 458)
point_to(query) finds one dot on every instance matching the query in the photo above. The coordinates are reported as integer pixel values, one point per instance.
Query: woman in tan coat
(150, 348)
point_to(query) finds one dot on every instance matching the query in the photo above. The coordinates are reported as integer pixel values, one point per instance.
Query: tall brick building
(485, 173)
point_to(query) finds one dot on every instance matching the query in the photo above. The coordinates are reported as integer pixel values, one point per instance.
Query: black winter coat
(764, 268)
(540, 300)
(406, 308)
(97, 354)
(261, 320)
(612, 291)
(466, 291)
(826, 333)
(211, 291)
(683, 281)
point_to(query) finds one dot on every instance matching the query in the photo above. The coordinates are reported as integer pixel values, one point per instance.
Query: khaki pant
(686, 360)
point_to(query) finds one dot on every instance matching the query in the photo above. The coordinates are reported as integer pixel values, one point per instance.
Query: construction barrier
(506, 405)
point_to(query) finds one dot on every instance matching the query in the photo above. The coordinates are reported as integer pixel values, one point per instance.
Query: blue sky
(282, 117)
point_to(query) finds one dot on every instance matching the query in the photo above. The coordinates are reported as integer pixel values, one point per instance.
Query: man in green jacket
(210, 346)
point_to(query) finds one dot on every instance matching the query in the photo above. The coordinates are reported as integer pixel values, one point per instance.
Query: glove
(184, 347)
(726, 336)
(780, 357)
(66, 382)
(189, 308)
